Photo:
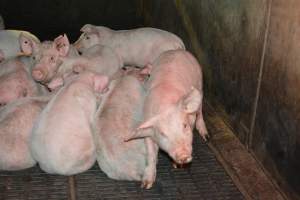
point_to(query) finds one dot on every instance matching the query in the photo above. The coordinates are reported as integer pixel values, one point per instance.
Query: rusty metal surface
(232, 35)
(205, 178)
(276, 136)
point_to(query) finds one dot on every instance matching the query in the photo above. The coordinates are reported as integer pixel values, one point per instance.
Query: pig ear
(88, 28)
(139, 133)
(142, 130)
(27, 45)
(191, 101)
(148, 124)
(100, 83)
(62, 44)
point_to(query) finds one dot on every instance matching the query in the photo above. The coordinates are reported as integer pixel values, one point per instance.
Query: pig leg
(200, 124)
(150, 171)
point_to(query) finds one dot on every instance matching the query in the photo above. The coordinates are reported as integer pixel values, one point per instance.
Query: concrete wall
(250, 53)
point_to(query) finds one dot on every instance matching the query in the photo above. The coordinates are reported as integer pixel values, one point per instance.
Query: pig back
(102, 59)
(120, 115)
(176, 67)
(172, 77)
(65, 125)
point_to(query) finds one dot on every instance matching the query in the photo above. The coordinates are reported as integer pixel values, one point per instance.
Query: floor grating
(205, 179)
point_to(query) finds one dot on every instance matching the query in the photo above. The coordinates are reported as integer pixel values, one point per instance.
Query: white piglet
(136, 47)
(117, 119)
(62, 137)
(173, 103)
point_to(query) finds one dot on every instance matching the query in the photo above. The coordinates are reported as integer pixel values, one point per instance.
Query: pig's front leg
(200, 124)
(150, 171)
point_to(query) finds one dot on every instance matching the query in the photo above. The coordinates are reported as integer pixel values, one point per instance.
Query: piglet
(55, 61)
(136, 47)
(49, 58)
(16, 122)
(61, 140)
(115, 120)
(173, 102)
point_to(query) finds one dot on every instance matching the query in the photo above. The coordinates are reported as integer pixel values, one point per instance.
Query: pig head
(47, 56)
(173, 127)
(91, 36)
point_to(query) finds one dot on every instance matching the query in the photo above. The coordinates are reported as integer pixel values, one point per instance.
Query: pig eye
(51, 58)
(33, 57)
(87, 37)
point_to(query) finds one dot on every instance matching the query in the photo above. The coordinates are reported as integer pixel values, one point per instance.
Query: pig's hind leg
(150, 171)
(200, 124)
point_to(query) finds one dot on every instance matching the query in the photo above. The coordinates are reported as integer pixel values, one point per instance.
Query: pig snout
(182, 155)
(38, 74)
(183, 158)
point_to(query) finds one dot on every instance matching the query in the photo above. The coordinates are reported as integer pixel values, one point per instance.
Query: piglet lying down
(114, 121)
(61, 140)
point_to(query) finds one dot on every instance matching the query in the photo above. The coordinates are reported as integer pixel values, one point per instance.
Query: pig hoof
(206, 137)
(175, 165)
(146, 184)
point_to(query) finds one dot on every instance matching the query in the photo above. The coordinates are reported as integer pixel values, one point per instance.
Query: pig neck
(69, 62)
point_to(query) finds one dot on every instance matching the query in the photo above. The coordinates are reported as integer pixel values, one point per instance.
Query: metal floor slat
(205, 179)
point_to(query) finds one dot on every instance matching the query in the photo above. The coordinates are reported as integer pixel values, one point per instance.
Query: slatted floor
(203, 179)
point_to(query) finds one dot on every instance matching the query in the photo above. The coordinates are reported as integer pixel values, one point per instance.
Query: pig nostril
(185, 159)
(188, 159)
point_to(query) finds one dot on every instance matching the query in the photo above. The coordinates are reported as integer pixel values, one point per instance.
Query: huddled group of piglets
(114, 97)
